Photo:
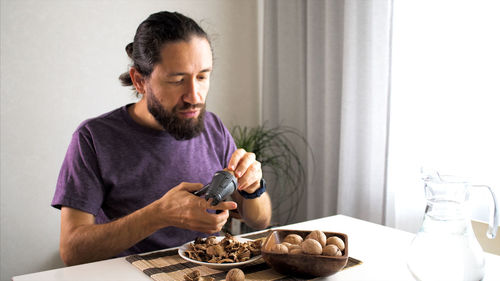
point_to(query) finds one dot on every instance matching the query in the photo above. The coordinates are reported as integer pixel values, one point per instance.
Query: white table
(379, 263)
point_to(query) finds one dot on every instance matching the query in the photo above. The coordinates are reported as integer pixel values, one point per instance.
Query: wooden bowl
(303, 265)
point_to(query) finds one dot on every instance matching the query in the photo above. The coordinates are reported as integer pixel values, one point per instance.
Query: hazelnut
(331, 250)
(295, 251)
(293, 239)
(336, 241)
(312, 247)
(235, 274)
(318, 236)
(279, 248)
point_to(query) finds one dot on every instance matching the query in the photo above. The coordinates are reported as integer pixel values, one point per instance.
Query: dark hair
(152, 34)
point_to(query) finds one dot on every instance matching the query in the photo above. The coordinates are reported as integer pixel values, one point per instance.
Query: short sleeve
(80, 184)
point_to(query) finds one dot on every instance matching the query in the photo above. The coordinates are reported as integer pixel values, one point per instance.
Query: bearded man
(126, 184)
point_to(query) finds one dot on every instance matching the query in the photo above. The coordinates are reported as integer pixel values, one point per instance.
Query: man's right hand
(180, 208)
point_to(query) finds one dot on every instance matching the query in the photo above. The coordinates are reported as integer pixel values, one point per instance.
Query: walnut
(295, 251)
(291, 247)
(279, 249)
(331, 250)
(312, 247)
(235, 274)
(334, 240)
(318, 236)
(293, 239)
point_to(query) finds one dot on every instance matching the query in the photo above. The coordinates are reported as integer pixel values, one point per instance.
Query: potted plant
(275, 148)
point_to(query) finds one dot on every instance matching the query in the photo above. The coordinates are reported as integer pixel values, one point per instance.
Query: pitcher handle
(493, 223)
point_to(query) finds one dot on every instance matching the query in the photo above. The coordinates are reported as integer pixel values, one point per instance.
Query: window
(445, 100)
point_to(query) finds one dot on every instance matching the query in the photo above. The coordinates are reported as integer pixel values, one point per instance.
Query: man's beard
(179, 128)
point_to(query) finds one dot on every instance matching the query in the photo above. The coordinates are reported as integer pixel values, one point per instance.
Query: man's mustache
(186, 106)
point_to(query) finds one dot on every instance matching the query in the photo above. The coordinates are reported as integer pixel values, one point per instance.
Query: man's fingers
(227, 205)
(244, 164)
(251, 188)
(251, 176)
(190, 187)
(214, 222)
(235, 158)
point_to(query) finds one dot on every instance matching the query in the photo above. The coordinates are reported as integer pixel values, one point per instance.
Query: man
(127, 179)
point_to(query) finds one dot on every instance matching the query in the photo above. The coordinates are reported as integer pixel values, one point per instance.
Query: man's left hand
(247, 170)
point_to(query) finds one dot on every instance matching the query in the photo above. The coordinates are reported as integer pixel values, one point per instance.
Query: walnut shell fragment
(228, 250)
(196, 276)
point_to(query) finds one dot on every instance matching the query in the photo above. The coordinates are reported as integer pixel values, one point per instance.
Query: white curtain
(445, 99)
(326, 73)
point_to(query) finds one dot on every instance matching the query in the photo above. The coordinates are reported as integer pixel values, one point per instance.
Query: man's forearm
(256, 212)
(83, 242)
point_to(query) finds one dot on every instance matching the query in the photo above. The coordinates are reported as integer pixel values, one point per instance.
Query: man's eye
(176, 82)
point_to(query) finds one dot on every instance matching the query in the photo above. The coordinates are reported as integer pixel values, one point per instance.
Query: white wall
(60, 62)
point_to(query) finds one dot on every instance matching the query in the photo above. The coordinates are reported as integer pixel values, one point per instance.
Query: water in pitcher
(445, 248)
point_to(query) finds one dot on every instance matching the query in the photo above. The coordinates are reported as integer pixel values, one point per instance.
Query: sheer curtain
(445, 100)
(326, 73)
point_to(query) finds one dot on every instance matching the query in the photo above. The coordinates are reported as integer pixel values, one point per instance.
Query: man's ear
(138, 80)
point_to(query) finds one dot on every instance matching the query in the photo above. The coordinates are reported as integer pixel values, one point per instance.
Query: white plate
(219, 266)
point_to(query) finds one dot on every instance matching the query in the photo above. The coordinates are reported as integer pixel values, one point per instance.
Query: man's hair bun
(130, 49)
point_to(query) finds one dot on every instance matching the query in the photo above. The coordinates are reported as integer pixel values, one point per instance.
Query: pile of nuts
(228, 250)
(315, 243)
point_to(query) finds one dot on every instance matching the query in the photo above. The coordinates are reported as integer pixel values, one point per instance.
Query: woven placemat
(168, 265)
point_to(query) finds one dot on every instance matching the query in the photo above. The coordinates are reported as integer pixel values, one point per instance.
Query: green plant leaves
(285, 173)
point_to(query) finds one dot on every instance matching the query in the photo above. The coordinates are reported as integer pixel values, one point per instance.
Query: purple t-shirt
(115, 166)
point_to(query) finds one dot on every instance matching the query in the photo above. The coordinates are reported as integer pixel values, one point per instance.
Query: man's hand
(180, 208)
(82, 240)
(256, 212)
(247, 170)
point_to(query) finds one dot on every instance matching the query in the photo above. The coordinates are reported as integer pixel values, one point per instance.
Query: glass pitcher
(445, 248)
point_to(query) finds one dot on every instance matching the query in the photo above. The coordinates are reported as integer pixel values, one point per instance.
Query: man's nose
(193, 93)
